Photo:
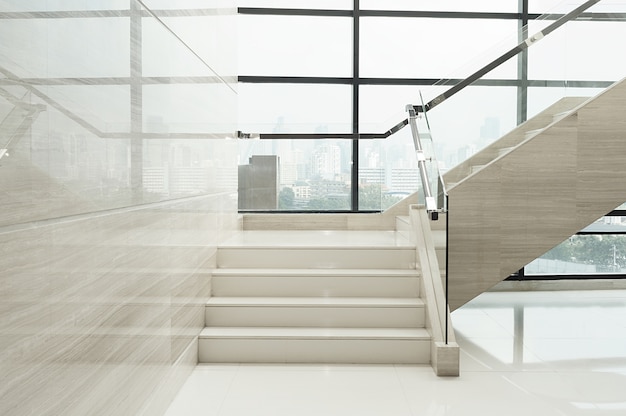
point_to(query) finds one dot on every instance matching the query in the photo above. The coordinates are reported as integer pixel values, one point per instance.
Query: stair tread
(316, 301)
(318, 239)
(315, 333)
(317, 272)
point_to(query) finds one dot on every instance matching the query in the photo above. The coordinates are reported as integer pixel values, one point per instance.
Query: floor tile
(522, 353)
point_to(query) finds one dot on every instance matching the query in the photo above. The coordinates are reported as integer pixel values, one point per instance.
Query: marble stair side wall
(95, 311)
(113, 199)
(523, 203)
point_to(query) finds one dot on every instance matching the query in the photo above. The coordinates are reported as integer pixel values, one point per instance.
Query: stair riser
(403, 228)
(315, 286)
(339, 351)
(316, 258)
(327, 317)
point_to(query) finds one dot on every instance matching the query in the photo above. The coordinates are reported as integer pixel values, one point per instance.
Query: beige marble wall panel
(21, 197)
(538, 195)
(602, 132)
(94, 312)
(472, 225)
(524, 203)
(107, 235)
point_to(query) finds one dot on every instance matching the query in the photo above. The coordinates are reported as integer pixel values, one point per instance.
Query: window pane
(540, 98)
(452, 46)
(189, 108)
(166, 55)
(287, 175)
(584, 254)
(387, 171)
(579, 51)
(295, 108)
(560, 6)
(155, 5)
(295, 45)
(63, 5)
(83, 47)
(545, 6)
(449, 5)
(298, 4)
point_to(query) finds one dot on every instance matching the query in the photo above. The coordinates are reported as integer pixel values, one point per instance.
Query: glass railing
(565, 63)
(117, 182)
(95, 129)
(388, 169)
(305, 167)
(434, 166)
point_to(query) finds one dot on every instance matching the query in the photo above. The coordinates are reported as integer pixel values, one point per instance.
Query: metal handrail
(431, 203)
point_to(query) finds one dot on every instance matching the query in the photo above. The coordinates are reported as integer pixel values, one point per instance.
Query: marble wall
(113, 199)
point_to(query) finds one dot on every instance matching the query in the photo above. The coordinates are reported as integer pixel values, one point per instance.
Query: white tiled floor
(523, 353)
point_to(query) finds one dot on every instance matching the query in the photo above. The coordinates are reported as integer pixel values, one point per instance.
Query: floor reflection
(551, 329)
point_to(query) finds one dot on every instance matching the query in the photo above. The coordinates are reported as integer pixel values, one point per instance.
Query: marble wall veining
(112, 202)
(94, 311)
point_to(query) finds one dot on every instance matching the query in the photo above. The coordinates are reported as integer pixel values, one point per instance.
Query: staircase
(532, 189)
(316, 297)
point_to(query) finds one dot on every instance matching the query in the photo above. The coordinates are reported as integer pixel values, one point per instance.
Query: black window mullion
(522, 66)
(354, 183)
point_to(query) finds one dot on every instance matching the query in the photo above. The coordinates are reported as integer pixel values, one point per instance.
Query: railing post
(431, 204)
(447, 269)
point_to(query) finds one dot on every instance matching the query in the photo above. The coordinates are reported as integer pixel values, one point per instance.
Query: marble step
(532, 133)
(315, 312)
(329, 257)
(476, 168)
(315, 282)
(314, 345)
(403, 227)
(504, 150)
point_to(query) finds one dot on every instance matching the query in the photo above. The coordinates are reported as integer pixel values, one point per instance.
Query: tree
(373, 197)
(286, 198)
